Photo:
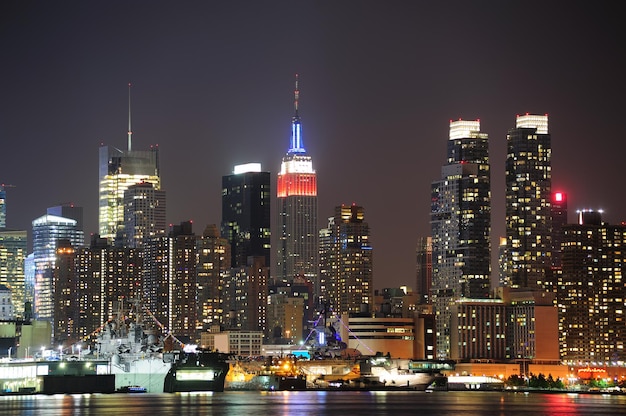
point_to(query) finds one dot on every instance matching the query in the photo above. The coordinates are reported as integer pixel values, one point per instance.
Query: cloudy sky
(379, 83)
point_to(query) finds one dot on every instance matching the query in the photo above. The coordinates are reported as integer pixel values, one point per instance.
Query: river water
(333, 403)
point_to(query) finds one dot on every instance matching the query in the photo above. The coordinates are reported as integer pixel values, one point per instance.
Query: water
(317, 403)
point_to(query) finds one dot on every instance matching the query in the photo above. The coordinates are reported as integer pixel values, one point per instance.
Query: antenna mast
(130, 132)
(296, 94)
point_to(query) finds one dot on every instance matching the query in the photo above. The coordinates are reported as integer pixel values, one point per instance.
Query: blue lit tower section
(461, 225)
(297, 210)
(528, 204)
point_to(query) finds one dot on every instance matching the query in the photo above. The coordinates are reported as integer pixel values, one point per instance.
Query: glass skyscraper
(461, 225)
(47, 231)
(246, 213)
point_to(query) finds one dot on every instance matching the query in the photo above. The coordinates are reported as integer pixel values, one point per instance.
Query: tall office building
(13, 247)
(13, 252)
(591, 291)
(47, 231)
(144, 214)
(298, 252)
(528, 193)
(119, 169)
(246, 213)
(460, 224)
(346, 262)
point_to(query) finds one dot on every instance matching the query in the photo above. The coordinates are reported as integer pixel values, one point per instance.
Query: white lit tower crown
(528, 207)
(297, 209)
(119, 169)
(461, 225)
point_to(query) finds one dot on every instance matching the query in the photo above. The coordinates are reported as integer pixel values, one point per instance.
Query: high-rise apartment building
(592, 291)
(528, 214)
(558, 209)
(47, 231)
(246, 213)
(245, 296)
(170, 280)
(91, 284)
(212, 268)
(144, 214)
(119, 169)
(297, 252)
(346, 262)
(460, 225)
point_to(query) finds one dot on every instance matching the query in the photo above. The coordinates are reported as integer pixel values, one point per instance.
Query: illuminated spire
(296, 145)
(296, 97)
(130, 132)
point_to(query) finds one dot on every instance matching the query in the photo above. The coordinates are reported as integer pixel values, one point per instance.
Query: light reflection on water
(316, 403)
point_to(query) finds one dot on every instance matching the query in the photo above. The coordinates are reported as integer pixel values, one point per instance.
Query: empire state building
(297, 209)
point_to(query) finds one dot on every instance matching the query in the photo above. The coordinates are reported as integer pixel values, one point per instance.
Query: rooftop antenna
(296, 94)
(130, 132)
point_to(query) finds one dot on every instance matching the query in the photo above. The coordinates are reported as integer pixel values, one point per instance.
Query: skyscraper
(346, 265)
(298, 252)
(13, 251)
(460, 226)
(528, 193)
(424, 270)
(47, 231)
(13, 247)
(213, 266)
(246, 213)
(144, 214)
(558, 208)
(118, 170)
(591, 291)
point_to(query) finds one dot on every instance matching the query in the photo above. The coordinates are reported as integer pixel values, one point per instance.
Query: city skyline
(213, 85)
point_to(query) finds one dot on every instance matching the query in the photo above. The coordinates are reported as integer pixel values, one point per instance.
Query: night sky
(379, 82)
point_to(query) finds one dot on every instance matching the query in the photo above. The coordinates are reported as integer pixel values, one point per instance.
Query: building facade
(144, 214)
(47, 231)
(346, 258)
(212, 268)
(424, 269)
(246, 213)
(13, 252)
(528, 212)
(461, 226)
(297, 251)
(592, 291)
(245, 296)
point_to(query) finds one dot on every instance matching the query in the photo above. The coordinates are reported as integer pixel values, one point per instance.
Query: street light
(79, 352)
(60, 352)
